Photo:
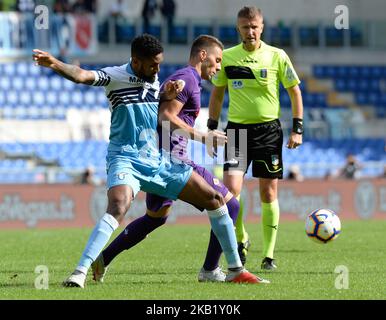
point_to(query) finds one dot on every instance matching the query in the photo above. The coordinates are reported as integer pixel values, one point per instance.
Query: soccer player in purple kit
(179, 115)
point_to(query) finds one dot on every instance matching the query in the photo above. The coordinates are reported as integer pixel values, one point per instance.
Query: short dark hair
(250, 12)
(204, 41)
(146, 46)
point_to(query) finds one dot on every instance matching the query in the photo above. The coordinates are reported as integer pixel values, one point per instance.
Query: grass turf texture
(165, 265)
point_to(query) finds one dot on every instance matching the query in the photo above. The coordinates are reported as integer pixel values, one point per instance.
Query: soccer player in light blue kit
(134, 161)
(175, 117)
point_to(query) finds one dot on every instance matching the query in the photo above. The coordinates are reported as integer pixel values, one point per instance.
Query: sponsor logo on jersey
(263, 73)
(250, 61)
(237, 84)
(133, 79)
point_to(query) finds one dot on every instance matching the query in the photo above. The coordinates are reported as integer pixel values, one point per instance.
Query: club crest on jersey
(290, 74)
(263, 73)
(237, 84)
(122, 175)
(275, 160)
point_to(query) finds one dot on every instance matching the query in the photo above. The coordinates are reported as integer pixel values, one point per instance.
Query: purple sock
(134, 232)
(214, 248)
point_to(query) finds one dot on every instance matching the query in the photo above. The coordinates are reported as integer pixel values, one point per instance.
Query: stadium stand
(338, 98)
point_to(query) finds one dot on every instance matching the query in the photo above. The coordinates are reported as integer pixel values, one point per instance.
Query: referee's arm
(296, 138)
(215, 103)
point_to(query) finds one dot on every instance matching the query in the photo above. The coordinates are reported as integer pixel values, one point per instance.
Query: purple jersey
(190, 97)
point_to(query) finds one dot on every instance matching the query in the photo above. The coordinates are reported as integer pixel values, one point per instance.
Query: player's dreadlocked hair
(146, 46)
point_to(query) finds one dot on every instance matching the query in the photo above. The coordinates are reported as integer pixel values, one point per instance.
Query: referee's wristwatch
(297, 125)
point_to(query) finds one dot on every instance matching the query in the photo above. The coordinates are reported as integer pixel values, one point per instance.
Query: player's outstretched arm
(68, 71)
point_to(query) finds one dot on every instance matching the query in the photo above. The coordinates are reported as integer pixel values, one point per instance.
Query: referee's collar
(262, 45)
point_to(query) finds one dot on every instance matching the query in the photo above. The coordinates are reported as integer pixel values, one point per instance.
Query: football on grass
(323, 225)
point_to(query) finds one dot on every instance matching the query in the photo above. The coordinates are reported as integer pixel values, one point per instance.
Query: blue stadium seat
(101, 98)
(64, 98)
(342, 71)
(12, 97)
(5, 83)
(22, 68)
(319, 71)
(52, 98)
(9, 69)
(43, 83)
(334, 37)
(285, 100)
(34, 70)
(38, 98)
(361, 98)
(154, 30)
(179, 34)
(69, 85)
(2, 98)
(228, 34)
(308, 35)
(90, 98)
(56, 83)
(25, 98)
(376, 72)
(354, 72)
(17, 83)
(340, 84)
(374, 98)
(202, 29)
(77, 98)
(356, 36)
(125, 32)
(281, 36)
(33, 112)
(30, 83)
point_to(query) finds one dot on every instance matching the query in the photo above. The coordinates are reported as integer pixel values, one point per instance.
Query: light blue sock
(98, 239)
(222, 226)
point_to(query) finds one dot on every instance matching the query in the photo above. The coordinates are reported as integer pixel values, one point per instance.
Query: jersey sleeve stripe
(101, 78)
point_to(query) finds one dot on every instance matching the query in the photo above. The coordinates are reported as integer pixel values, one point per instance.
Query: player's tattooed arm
(68, 71)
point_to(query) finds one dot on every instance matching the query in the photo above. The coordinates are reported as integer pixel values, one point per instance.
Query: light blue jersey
(133, 156)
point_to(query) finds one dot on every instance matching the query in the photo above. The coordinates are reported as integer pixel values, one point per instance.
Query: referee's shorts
(260, 144)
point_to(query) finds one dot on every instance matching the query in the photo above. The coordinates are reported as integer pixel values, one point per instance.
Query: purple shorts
(155, 203)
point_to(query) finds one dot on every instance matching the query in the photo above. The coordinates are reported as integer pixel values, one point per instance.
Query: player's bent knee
(215, 200)
(118, 206)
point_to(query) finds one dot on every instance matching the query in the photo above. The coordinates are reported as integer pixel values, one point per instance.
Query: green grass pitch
(165, 265)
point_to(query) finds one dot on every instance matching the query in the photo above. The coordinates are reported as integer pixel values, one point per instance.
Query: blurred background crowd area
(54, 131)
